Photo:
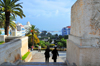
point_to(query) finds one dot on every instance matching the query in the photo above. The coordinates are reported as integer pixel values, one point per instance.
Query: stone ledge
(93, 41)
(82, 55)
(29, 57)
(83, 46)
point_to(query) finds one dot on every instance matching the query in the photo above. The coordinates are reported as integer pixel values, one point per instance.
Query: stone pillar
(83, 45)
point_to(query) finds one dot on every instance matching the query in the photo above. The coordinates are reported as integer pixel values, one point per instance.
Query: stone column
(83, 45)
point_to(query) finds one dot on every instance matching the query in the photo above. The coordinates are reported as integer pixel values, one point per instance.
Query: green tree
(59, 44)
(47, 43)
(36, 40)
(63, 41)
(11, 7)
(0, 32)
(42, 43)
(2, 21)
(43, 33)
(33, 31)
(56, 36)
(50, 40)
(49, 34)
(65, 36)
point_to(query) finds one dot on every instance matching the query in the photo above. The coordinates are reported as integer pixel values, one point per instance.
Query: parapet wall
(2, 37)
(13, 50)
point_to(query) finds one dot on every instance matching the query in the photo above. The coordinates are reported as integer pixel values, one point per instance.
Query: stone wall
(82, 55)
(13, 50)
(2, 37)
(24, 47)
(85, 18)
(83, 45)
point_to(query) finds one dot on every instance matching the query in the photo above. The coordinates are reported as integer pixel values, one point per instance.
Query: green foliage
(59, 49)
(2, 21)
(1, 42)
(47, 43)
(50, 40)
(25, 56)
(32, 34)
(0, 32)
(63, 41)
(36, 46)
(51, 45)
(66, 37)
(43, 33)
(60, 44)
(11, 7)
(42, 43)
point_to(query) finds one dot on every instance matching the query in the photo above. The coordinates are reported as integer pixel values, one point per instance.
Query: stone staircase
(42, 64)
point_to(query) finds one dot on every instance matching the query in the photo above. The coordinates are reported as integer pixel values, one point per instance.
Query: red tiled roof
(21, 25)
(68, 26)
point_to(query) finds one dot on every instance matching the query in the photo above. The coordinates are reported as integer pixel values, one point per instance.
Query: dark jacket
(55, 54)
(47, 55)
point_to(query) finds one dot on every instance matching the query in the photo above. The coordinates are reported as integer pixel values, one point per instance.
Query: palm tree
(2, 21)
(33, 31)
(11, 7)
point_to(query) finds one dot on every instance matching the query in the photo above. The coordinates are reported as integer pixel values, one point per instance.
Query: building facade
(20, 30)
(66, 30)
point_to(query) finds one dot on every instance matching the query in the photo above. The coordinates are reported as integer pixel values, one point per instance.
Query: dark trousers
(46, 59)
(54, 60)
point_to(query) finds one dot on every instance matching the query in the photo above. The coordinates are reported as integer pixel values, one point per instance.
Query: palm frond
(1, 3)
(20, 10)
(14, 1)
(18, 5)
(18, 13)
(12, 25)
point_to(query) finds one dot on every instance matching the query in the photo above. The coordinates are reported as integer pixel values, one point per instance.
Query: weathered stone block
(83, 45)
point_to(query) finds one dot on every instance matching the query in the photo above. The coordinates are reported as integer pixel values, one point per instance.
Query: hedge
(51, 49)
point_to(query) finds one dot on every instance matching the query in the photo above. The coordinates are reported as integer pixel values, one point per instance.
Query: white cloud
(46, 7)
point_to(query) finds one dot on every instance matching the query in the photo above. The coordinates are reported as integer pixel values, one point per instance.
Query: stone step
(42, 64)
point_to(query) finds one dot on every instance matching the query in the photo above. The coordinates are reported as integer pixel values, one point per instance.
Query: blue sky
(50, 15)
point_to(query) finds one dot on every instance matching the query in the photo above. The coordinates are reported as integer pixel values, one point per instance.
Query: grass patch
(25, 56)
(1, 42)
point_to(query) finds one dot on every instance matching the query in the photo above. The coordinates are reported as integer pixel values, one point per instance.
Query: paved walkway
(39, 56)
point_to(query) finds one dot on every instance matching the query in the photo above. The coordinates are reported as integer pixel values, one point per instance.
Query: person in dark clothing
(47, 55)
(55, 54)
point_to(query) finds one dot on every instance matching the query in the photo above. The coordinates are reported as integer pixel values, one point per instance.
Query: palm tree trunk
(7, 23)
(33, 39)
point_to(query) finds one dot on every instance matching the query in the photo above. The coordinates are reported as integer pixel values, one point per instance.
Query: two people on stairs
(54, 54)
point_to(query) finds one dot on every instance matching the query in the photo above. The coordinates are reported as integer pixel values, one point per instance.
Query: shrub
(51, 45)
(36, 46)
(25, 56)
(59, 49)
